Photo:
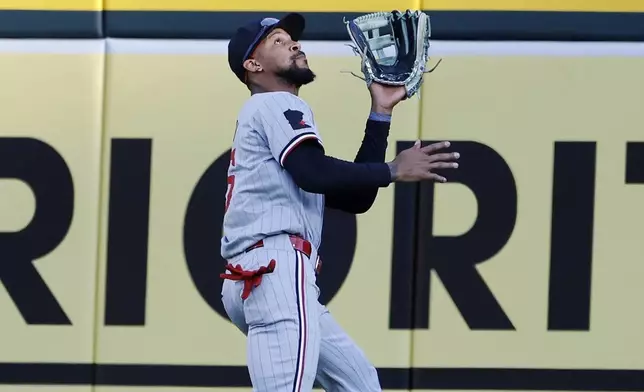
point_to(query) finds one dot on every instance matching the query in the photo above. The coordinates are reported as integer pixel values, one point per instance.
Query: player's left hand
(384, 98)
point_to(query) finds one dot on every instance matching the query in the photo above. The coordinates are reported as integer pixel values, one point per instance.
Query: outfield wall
(522, 273)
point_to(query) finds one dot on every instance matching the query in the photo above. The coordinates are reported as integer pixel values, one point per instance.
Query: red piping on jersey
(294, 146)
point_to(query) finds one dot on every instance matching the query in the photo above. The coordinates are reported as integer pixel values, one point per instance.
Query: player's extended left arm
(372, 149)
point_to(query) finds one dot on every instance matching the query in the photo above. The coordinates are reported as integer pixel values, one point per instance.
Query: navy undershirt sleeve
(372, 149)
(347, 186)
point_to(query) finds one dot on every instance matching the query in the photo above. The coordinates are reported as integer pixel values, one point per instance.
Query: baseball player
(279, 181)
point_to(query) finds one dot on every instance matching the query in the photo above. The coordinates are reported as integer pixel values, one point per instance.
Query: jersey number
(231, 181)
(231, 185)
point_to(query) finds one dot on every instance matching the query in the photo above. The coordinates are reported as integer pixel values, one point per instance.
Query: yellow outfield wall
(50, 123)
(358, 6)
(55, 5)
(523, 107)
(534, 5)
(132, 137)
(329, 6)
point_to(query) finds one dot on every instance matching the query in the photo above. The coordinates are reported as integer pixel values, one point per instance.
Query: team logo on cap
(269, 21)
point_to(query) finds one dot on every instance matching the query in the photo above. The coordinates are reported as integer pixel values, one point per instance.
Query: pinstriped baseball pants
(292, 339)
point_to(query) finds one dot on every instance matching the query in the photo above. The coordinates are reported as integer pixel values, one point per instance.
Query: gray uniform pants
(292, 339)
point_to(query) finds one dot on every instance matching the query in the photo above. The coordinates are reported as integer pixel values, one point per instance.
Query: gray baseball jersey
(292, 339)
(262, 199)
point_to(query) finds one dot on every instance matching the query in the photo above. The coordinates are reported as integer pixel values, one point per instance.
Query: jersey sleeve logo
(296, 119)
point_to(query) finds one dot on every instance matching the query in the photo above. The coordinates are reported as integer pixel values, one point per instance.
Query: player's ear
(251, 65)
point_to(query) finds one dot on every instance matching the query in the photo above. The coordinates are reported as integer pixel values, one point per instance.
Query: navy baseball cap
(248, 37)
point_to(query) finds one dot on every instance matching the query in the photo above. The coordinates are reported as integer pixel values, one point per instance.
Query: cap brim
(293, 24)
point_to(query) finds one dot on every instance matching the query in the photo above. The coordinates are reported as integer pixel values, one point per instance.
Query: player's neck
(274, 87)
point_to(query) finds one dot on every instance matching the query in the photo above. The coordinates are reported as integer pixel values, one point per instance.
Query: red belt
(298, 243)
(254, 278)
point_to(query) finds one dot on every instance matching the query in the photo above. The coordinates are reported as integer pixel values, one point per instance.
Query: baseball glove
(393, 47)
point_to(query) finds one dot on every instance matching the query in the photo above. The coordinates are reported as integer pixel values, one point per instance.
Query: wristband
(380, 117)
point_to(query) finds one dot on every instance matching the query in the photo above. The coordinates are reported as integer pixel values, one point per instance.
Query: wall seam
(418, 4)
(101, 208)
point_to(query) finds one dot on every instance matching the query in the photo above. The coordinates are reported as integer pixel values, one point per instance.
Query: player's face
(283, 57)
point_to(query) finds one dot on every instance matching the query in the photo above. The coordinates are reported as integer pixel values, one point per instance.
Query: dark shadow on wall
(446, 25)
